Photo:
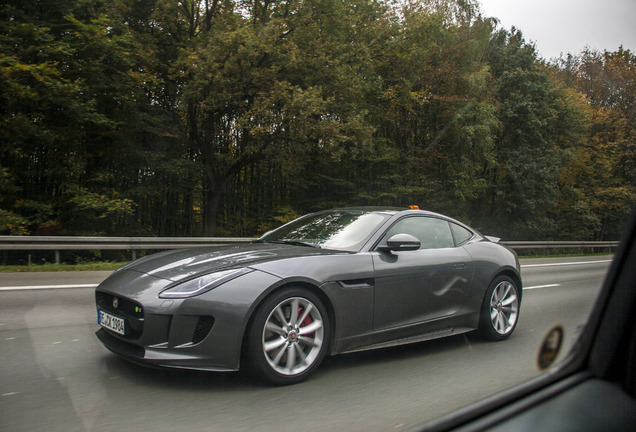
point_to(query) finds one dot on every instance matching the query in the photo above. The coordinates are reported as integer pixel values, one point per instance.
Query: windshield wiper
(294, 243)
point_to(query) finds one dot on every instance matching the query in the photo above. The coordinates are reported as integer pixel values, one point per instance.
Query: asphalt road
(56, 376)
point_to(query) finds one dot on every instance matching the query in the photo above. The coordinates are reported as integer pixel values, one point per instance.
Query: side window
(461, 234)
(433, 233)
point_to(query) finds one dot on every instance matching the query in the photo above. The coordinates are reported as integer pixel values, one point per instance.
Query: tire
(288, 337)
(500, 309)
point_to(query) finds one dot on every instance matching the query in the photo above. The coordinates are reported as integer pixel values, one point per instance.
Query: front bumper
(157, 357)
(203, 332)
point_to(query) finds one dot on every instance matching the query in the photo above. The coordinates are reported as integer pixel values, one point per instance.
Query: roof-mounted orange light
(414, 207)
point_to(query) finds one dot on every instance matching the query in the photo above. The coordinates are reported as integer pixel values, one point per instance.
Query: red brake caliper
(307, 320)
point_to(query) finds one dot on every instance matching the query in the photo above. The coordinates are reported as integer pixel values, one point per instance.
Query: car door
(420, 285)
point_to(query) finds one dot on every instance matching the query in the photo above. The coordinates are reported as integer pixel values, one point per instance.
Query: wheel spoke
(291, 358)
(497, 294)
(493, 315)
(510, 300)
(273, 344)
(500, 323)
(509, 309)
(280, 315)
(279, 355)
(275, 328)
(507, 287)
(293, 318)
(301, 355)
(308, 329)
(493, 300)
(505, 321)
(309, 341)
(306, 312)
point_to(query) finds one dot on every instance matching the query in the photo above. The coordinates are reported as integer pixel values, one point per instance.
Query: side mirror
(401, 242)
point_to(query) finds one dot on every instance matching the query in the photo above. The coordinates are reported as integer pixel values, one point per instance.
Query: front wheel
(288, 337)
(500, 309)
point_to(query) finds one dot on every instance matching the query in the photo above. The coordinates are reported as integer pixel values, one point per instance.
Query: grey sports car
(329, 282)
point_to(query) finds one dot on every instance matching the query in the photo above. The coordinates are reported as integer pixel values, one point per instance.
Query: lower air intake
(202, 329)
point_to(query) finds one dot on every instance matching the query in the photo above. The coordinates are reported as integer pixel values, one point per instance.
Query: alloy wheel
(293, 336)
(504, 307)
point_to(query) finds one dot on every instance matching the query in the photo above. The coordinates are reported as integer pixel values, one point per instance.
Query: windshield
(341, 229)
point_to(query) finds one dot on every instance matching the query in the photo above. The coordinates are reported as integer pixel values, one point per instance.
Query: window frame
(385, 235)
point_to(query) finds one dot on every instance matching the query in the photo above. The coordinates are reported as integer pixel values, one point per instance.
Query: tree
(538, 124)
(68, 88)
(224, 117)
(602, 173)
(276, 82)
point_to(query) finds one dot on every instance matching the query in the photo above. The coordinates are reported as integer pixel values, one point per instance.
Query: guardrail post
(134, 254)
(57, 257)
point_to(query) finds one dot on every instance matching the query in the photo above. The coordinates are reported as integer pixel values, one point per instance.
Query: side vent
(202, 329)
(356, 283)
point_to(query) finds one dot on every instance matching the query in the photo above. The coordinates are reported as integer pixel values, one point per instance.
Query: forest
(230, 117)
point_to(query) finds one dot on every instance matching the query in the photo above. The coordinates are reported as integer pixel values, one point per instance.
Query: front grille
(131, 311)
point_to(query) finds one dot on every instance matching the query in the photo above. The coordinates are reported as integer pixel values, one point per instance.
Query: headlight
(201, 284)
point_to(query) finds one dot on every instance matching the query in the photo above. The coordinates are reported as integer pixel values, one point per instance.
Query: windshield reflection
(342, 229)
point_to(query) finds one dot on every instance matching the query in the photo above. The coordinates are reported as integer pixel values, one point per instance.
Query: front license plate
(110, 322)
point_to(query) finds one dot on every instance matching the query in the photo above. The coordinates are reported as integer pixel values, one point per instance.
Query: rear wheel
(288, 337)
(500, 309)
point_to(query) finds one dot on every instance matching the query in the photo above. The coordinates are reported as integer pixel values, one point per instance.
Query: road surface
(56, 376)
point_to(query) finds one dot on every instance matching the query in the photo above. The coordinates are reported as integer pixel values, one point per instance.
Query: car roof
(391, 211)
(387, 209)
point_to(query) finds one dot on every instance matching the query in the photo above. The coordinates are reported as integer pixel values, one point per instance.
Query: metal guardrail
(559, 244)
(133, 244)
(121, 243)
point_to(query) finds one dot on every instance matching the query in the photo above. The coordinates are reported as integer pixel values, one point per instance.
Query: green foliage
(12, 224)
(101, 205)
(192, 117)
(537, 126)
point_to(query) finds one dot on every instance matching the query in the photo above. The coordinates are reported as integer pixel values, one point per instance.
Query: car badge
(115, 302)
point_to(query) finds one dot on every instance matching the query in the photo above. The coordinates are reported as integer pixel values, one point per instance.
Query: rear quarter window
(460, 234)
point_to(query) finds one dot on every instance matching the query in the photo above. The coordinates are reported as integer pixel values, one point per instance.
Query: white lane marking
(541, 286)
(565, 263)
(42, 287)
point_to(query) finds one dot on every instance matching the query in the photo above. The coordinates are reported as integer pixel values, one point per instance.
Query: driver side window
(433, 233)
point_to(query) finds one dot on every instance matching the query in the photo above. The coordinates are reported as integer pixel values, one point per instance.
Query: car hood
(181, 264)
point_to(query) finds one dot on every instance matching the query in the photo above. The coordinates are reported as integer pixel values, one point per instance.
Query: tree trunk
(211, 210)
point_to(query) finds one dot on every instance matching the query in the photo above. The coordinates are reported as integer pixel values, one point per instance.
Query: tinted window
(460, 233)
(433, 233)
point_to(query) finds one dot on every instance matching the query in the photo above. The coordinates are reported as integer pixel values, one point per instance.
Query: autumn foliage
(229, 117)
